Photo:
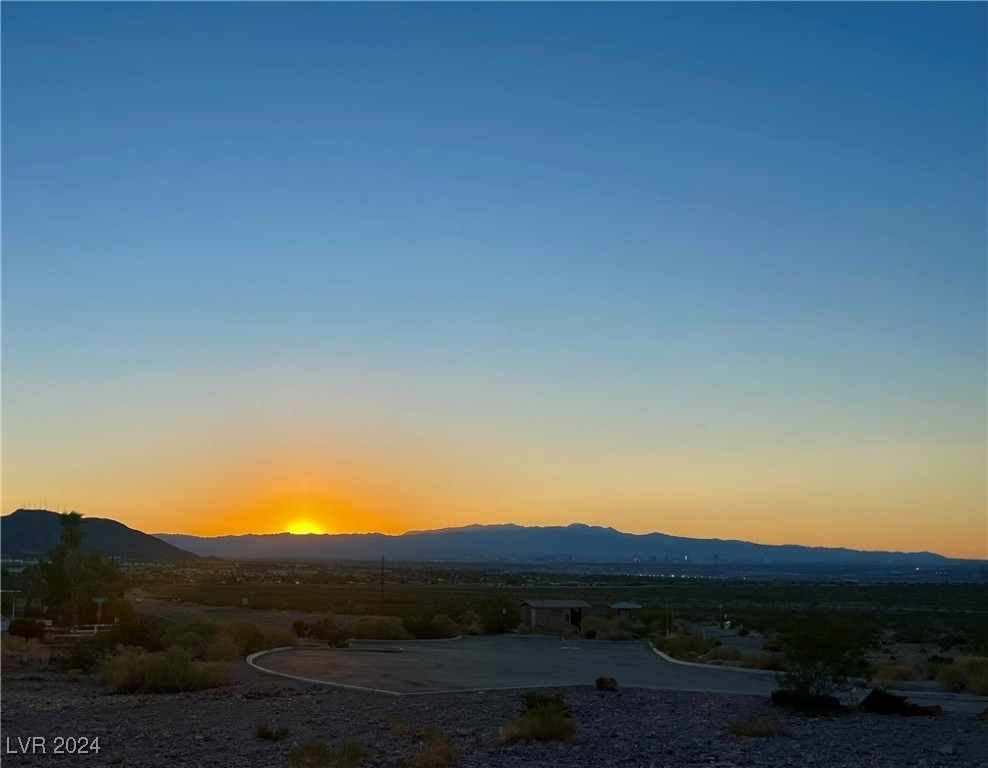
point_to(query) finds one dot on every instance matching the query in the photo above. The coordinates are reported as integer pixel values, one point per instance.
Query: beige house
(553, 615)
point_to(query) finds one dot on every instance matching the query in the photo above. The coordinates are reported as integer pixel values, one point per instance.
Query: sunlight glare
(305, 525)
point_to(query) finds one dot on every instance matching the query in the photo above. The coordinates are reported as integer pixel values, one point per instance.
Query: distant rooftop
(555, 604)
(625, 606)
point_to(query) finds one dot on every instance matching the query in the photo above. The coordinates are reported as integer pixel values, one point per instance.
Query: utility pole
(382, 585)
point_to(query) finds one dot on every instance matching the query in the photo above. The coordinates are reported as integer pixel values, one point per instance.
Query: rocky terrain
(218, 728)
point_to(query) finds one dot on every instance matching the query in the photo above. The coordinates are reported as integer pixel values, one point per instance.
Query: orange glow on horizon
(304, 525)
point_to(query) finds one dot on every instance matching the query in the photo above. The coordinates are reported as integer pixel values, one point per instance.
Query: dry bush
(540, 724)
(472, 623)
(683, 647)
(600, 628)
(168, 671)
(436, 752)
(317, 755)
(212, 640)
(380, 628)
(887, 675)
(722, 653)
(544, 717)
(221, 648)
(971, 676)
(22, 652)
(761, 660)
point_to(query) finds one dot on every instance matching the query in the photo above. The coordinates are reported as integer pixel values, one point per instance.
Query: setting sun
(305, 525)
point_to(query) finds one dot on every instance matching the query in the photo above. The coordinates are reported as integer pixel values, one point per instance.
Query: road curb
(699, 665)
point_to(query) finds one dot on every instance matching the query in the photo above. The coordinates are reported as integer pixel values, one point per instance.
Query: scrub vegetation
(485, 601)
(543, 717)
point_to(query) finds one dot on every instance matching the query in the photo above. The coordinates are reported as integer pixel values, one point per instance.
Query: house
(553, 615)
(624, 609)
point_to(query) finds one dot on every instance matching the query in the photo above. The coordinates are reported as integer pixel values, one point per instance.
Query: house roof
(625, 606)
(555, 604)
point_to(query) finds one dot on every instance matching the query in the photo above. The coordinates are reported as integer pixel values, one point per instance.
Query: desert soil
(648, 728)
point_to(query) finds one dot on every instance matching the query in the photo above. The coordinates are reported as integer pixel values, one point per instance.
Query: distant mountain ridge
(577, 541)
(32, 532)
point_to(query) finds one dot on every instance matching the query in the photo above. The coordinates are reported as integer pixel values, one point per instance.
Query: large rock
(882, 702)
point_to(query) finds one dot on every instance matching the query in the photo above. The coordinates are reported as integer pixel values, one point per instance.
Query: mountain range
(514, 542)
(30, 533)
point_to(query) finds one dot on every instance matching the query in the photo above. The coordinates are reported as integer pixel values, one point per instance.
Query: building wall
(552, 619)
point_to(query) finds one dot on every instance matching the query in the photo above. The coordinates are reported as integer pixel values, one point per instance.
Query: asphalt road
(505, 662)
(490, 663)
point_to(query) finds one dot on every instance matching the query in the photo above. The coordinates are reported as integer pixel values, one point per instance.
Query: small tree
(71, 578)
(820, 659)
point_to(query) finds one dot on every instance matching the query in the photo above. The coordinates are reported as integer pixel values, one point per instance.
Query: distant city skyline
(711, 270)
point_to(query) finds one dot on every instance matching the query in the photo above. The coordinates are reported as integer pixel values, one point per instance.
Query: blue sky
(527, 261)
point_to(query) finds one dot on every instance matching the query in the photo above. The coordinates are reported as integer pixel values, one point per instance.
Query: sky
(713, 270)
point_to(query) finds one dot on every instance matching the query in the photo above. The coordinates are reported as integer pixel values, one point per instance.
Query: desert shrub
(326, 629)
(401, 728)
(600, 628)
(471, 623)
(222, 647)
(266, 732)
(380, 628)
(761, 660)
(317, 755)
(192, 636)
(84, 655)
(544, 717)
(431, 629)
(971, 676)
(168, 671)
(22, 652)
(930, 668)
(819, 660)
(497, 615)
(445, 626)
(894, 672)
(534, 700)
(773, 641)
(214, 641)
(249, 638)
(138, 633)
(438, 751)
(524, 629)
(743, 632)
(27, 628)
(722, 653)
(683, 647)
(752, 727)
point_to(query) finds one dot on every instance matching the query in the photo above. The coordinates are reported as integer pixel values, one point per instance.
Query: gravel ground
(628, 728)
